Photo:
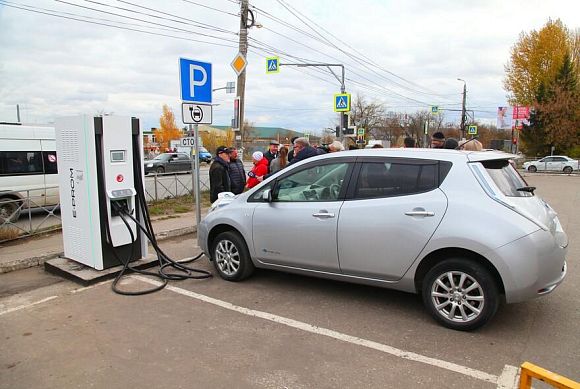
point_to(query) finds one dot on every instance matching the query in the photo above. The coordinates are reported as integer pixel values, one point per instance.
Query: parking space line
(508, 378)
(467, 371)
(27, 305)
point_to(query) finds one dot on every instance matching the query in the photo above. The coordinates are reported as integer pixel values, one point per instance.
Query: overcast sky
(404, 54)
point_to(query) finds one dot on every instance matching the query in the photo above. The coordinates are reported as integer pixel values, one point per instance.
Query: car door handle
(420, 213)
(325, 215)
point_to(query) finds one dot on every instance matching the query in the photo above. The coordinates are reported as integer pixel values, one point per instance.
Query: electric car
(463, 229)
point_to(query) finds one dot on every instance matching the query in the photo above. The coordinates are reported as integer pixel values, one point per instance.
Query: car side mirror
(267, 195)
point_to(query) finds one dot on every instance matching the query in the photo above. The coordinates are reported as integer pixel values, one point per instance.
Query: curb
(26, 263)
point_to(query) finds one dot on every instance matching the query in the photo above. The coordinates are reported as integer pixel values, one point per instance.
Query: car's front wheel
(568, 169)
(231, 256)
(532, 169)
(460, 294)
(9, 210)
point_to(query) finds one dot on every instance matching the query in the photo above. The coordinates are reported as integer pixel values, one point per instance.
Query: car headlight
(149, 165)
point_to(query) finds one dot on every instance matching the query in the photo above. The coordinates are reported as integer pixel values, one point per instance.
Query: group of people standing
(227, 173)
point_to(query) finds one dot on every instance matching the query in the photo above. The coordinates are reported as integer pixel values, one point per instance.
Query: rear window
(506, 178)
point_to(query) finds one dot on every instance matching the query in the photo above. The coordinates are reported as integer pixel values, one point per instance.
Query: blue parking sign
(195, 79)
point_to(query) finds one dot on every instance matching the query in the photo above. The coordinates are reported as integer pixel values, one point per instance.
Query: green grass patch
(181, 204)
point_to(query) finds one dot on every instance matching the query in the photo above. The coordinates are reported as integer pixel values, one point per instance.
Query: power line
(137, 19)
(212, 8)
(3, 2)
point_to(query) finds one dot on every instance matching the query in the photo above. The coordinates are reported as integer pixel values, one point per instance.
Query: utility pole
(463, 108)
(241, 87)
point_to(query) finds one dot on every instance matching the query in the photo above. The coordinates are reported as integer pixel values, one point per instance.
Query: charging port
(119, 204)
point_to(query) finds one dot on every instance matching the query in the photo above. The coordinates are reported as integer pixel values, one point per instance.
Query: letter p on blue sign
(195, 80)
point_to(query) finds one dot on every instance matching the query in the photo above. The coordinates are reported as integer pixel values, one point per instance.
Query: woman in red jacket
(259, 170)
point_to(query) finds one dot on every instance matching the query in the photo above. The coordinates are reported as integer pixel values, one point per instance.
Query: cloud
(55, 66)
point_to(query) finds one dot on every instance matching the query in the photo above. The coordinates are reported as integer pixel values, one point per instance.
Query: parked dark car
(168, 162)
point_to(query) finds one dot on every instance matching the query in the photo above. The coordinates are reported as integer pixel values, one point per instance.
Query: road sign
(361, 131)
(196, 113)
(434, 109)
(195, 80)
(187, 142)
(272, 65)
(360, 139)
(472, 130)
(239, 63)
(342, 102)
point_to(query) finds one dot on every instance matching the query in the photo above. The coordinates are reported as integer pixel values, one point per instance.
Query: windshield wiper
(529, 189)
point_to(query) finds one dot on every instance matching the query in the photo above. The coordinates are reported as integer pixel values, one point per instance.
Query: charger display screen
(117, 155)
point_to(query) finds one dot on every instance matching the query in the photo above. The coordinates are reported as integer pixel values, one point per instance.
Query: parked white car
(558, 163)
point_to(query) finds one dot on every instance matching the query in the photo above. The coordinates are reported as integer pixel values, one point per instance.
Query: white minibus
(28, 169)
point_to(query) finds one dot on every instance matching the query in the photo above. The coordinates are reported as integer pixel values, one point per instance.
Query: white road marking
(28, 305)
(90, 286)
(508, 379)
(473, 373)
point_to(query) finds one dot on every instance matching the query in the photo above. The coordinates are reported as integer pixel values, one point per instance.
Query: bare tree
(367, 115)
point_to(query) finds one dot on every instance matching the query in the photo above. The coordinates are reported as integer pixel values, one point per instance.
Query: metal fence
(27, 216)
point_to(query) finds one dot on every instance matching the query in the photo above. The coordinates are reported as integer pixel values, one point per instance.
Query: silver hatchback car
(463, 229)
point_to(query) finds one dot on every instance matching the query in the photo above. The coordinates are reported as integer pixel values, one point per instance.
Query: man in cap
(219, 179)
(272, 152)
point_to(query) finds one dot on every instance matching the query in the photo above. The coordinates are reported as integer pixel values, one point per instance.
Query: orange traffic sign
(239, 63)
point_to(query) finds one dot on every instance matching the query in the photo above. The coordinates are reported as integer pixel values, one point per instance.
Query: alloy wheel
(457, 296)
(227, 257)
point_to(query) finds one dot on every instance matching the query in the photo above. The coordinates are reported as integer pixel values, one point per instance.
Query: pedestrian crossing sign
(472, 130)
(342, 102)
(272, 65)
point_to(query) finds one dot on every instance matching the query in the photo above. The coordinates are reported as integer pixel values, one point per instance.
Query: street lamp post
(463, 108)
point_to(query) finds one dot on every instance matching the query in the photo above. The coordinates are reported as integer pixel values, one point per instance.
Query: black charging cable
(164, 261)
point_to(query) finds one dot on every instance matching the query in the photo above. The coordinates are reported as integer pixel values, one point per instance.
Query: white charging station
(97, 158)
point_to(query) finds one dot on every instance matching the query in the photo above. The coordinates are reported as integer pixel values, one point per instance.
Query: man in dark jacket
(219, 178)
(291, 152)
(237, 173)
(272, 152)
(303, 150)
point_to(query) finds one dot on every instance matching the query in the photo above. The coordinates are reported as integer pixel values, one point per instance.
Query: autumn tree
(214, 138)
(536, 58)
(167, 130)
(560, 110)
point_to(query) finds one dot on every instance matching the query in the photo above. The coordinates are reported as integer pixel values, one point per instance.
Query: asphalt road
(277, 330)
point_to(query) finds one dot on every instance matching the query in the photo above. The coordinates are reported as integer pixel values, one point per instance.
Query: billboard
(504, 118)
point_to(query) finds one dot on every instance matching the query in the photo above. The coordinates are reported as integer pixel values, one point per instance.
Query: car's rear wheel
(160, 170)
(460, 294)
(568, 169)
(231, 256)
(532, 169)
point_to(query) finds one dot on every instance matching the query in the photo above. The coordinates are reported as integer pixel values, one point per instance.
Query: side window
(316, 183)
(49, 160)
(559, 159)
(385, 179)
(547, 159)
(183, 157)
(20, 162)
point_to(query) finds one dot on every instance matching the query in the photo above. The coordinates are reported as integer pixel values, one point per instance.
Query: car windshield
(507, 179)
